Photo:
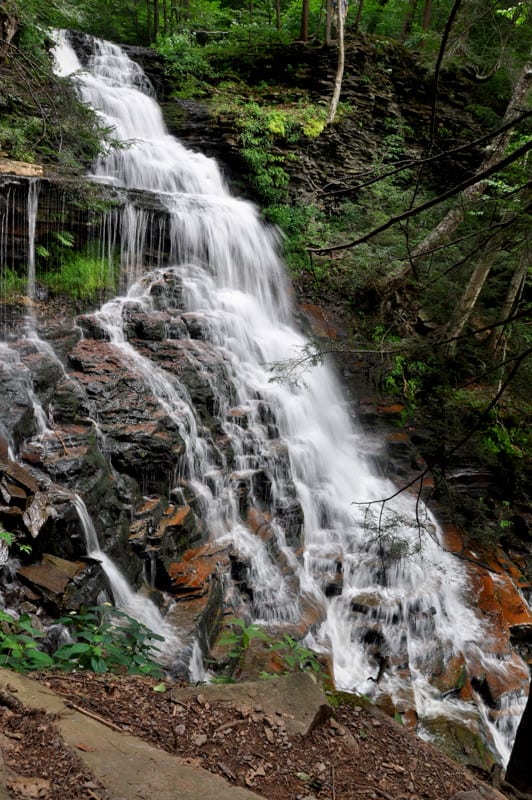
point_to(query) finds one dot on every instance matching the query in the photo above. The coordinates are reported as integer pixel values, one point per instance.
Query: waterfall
(399, 602)
(138, 607)
(33, 204)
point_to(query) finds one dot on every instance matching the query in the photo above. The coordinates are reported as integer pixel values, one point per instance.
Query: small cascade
(33, 204)
(17, 381)
(140, 608)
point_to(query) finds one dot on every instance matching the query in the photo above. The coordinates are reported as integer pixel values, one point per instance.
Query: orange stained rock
(175, 516)
(390, 410)
(259, 521)
(321, 326)
(191, 575)
(452, 675)
(148, 506)
(397, 436)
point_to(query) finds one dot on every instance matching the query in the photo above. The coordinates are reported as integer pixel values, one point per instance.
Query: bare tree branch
(411, 212)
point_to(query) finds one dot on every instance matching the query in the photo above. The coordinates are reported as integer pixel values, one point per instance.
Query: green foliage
(11, 284)
(11, 540)
(184, 56)
(240, 637)
(41, 117)
(299, 224)
(78, 275)
(295, 656)
(405, 377)
(106, 639)
(19, 644)
(499, 442)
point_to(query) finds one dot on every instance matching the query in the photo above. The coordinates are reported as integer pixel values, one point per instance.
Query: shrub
(103, 639)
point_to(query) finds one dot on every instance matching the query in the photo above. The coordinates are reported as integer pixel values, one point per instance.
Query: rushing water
(402, 605)
(33, 200)
(124, 597)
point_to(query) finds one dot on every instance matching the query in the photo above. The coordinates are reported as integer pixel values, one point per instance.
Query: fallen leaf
(85, 747)
(29, 787)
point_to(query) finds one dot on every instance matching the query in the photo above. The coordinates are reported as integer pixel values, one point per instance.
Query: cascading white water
(12, 368)
(33, 202)
(402, 593)
(137, 606)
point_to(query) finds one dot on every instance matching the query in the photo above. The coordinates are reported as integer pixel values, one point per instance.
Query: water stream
(403, 602)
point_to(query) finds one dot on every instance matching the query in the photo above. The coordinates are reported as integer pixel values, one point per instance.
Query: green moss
(337, 699)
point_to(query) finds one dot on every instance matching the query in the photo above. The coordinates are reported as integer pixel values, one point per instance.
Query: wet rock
(238, 416)
(70, 404)
(17, 421)
(178, 531)
(198, 588)
(453, 678)
(288, 514)
(17, 475)
(200, 368)
(42, 507)
(480, 793)
(521, 638)
(191, 576)
(52, 575)
(64, 585)
(166, 291)
(461, 741)
(142, 440)
(91, 327)
(197, 325)
(150, 327)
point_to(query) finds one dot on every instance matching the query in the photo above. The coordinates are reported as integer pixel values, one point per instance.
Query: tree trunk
(9, 26)
(155, 19)
(148, 21)
(503, 238)
(358, 17)
(305, 12)
(469, 297)
(519, 770)
(427, 13)
(499, 336)
(328, 23)
(278, 14)
(408, 20)
(340, 12)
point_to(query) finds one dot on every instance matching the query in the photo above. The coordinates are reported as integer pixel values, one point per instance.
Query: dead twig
(96, 717)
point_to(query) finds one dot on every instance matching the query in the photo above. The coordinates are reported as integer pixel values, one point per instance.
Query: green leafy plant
(19, 644)
(240, 636)
(295, 656)
(11, 540)
(106, 639)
